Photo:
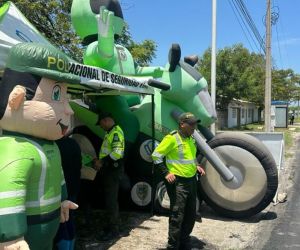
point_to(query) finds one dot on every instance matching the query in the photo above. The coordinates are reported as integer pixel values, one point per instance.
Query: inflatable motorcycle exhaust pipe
(230, 179)
(241, 175)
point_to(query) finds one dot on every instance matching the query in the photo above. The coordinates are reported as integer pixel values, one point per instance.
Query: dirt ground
(141, 231)
(145, 232)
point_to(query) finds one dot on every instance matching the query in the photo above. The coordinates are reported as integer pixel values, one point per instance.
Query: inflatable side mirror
(174, 56)
(191, 60)
(158, 84)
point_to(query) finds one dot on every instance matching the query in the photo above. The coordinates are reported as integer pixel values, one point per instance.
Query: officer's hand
(64, 211)
(200, 170)
(20, 244)
(97, 164)
(170, 178)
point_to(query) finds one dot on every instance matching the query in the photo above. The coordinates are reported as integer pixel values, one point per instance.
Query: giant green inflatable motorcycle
(241, 177)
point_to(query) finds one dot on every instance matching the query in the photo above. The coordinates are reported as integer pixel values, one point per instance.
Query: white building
(238, 113)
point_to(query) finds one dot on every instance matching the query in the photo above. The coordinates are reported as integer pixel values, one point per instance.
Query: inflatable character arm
(15, 175)
(65, 208)
(108, 26)
(18, 244)
(65, 205)
(154, 71)
(105, 24)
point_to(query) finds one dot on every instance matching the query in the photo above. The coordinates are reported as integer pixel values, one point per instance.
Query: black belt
(43, 218)
(185, 179)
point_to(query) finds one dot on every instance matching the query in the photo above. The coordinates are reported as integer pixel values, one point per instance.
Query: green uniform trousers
(111, 179)
(182, 194)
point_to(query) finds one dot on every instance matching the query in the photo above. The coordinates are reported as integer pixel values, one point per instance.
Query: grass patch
(249, 127)
(288, 139)
(288, 155)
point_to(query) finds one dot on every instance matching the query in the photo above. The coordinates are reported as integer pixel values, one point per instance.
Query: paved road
(286, 235)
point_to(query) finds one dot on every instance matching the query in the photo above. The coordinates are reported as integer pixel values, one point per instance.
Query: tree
(52, 19)
(293, 83)
(239, 75)
(283, 85)
(142, 53)
(254, 79)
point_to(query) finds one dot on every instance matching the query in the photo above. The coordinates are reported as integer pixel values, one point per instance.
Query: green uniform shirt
(31, 183)
(113, 144)
(180, 154)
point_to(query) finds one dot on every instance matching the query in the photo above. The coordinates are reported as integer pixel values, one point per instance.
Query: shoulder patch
(173, 132)
(116, 137)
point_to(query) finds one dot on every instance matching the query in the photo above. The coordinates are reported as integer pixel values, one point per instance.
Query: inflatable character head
(34, 92)
(84, 17)
(189, 90)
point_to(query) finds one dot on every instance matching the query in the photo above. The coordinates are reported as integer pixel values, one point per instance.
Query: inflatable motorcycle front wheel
(252, 164)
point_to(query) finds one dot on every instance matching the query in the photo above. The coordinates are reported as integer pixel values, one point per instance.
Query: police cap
(102, 115)
(188, 118)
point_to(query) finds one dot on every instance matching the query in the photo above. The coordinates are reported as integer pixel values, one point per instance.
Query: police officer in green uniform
(179, 169)
(111, 164)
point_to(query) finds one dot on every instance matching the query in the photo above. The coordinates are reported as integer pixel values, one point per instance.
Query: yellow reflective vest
(113, 144)
(180, 154)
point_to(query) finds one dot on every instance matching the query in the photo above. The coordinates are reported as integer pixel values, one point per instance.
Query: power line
(236, 15)
(278, 45)
(248, 23)
(242, 24)
(283, 40)
(251, 24)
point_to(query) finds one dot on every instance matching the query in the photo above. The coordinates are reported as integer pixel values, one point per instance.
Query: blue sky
(189, 24)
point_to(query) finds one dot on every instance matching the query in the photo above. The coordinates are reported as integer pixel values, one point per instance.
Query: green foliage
(53, 20)
(283, 84)
(142, 53)
(241, 75)
(294, 86)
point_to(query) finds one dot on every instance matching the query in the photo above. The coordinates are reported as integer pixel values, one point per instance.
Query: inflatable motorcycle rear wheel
(252, 163)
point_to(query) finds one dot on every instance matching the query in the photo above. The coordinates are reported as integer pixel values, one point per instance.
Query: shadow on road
(207, 212)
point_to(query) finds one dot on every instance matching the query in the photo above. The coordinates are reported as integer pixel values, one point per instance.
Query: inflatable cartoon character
(98, 23)
(34, 111)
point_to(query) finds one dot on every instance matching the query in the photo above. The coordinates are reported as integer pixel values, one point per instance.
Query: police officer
(111, 164)
(179, 172)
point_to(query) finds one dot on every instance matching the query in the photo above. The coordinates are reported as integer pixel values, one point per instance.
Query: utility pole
(213, 58)
(268, 82)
